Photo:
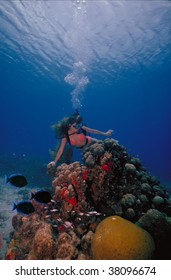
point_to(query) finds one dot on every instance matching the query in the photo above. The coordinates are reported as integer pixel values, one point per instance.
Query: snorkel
(76, 118)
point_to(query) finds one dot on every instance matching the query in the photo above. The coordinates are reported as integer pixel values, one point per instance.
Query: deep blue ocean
(109, 59)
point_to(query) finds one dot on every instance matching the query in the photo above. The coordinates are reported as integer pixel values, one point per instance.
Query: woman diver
(72, 130)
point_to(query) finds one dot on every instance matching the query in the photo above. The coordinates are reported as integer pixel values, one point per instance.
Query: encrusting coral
(43, 244)
(108, 182)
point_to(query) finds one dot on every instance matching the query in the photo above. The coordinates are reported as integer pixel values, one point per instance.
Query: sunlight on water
(107, 37)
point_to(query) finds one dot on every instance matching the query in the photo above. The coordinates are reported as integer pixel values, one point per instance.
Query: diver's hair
(61, 128)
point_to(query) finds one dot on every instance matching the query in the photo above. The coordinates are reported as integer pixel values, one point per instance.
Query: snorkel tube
(75, 118)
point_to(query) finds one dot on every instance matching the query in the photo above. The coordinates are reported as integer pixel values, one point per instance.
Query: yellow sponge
(118, 239)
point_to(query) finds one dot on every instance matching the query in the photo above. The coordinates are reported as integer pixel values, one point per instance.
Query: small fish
(81, 214)
(98, 214)
(68, 225)
(47, 216)
(41, 196)
(54, 210)
(24, 207)
(94, 213)
(16, 180)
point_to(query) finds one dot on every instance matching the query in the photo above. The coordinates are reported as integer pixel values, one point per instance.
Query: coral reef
(66, 245)
(118, 239)
(158, 224)
(42, 247)
(108, 182)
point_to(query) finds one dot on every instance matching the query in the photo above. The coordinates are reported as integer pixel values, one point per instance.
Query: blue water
(121, 53)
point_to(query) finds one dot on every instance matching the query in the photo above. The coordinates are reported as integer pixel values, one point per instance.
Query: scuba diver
(72, 130)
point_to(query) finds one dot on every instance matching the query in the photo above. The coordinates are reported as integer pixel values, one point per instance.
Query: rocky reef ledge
(109, 183)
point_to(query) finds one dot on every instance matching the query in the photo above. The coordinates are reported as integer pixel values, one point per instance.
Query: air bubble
(79, 80)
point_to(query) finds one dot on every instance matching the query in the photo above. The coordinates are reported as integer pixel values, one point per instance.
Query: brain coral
(118, 239)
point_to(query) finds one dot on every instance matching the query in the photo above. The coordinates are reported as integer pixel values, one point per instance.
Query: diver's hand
(51, 164)
(108, 133)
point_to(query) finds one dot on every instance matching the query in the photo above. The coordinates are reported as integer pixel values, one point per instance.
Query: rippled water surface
(107, 36)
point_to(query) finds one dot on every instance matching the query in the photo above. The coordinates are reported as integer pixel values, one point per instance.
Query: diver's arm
(59, 153)
(61, 149)
(95, 131)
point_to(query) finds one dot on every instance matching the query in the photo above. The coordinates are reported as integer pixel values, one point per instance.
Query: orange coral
(43, 245)
(117, 238)
(66, 247)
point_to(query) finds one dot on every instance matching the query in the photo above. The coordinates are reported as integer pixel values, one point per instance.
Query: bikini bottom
(83, 145)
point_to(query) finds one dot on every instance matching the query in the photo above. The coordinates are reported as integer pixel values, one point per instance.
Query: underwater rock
(118, 239)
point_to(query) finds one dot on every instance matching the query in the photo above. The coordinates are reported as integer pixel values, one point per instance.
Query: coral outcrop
(108, 182)
(158, 224)
(118, 239)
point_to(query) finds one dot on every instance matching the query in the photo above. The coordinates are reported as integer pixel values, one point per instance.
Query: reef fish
(16, 179)
(23, 207)
(41, 196)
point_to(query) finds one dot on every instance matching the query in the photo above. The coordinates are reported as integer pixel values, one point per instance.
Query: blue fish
(41, 196)
(16, 180)
(24, 207)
